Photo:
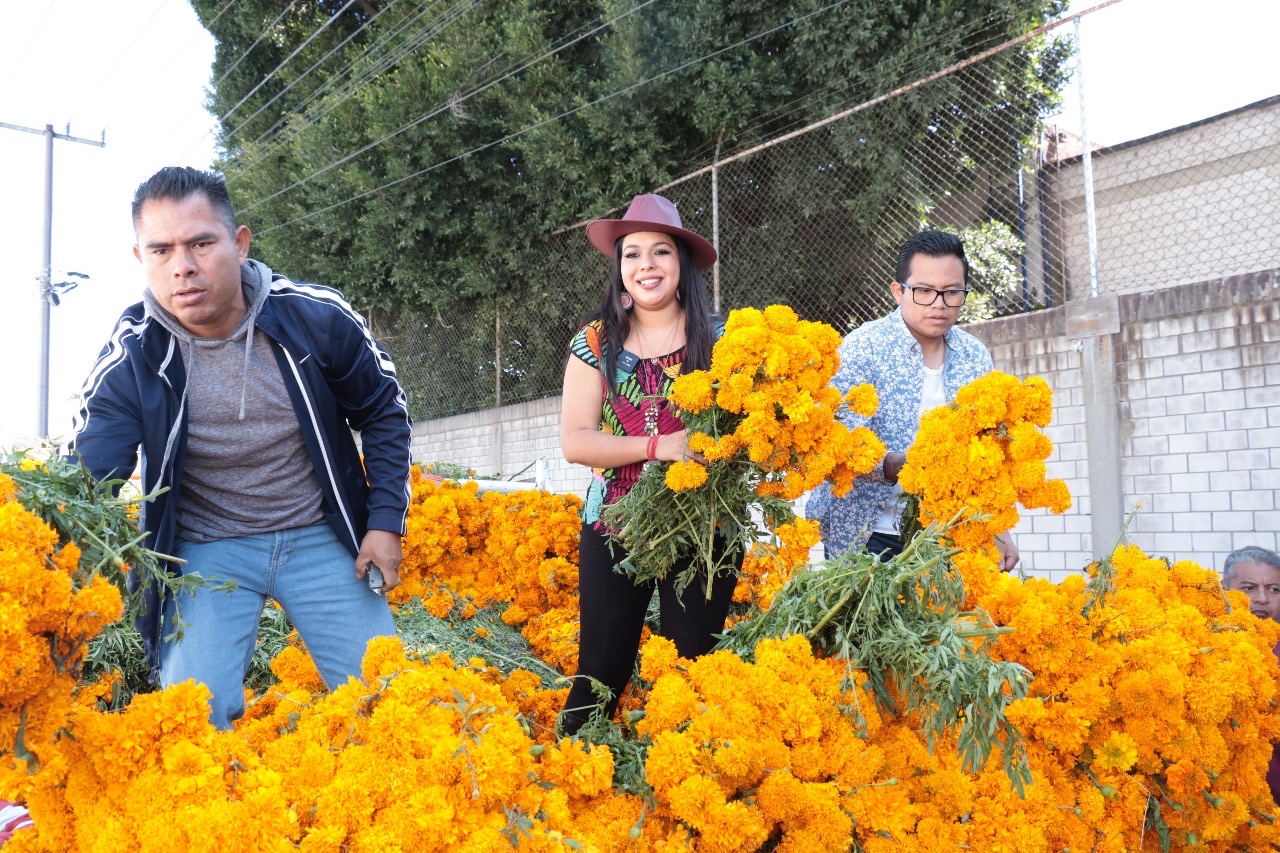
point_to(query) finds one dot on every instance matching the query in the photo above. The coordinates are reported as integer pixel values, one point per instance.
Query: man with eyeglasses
(917, 360)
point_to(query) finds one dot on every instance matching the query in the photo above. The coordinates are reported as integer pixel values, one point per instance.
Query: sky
(138, 70)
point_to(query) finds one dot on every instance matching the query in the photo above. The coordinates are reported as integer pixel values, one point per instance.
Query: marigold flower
(863, 399)
(685, 476)
(1118, 753)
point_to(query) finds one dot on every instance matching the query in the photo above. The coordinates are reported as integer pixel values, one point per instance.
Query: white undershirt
(932, 395)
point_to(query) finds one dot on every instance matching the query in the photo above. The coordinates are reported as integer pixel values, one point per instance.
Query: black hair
(175, 183)
(699, 322)
(1248, 554)
(935, 244)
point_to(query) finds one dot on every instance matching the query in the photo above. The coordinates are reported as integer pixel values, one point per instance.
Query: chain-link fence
(813, 220)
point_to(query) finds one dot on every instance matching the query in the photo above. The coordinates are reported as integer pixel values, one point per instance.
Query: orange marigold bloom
(863, 399)
(685, 476)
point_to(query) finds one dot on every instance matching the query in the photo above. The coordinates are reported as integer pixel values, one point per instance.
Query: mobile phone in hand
(374, 576)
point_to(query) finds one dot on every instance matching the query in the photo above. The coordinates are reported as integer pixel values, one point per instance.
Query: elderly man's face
(1262, 584)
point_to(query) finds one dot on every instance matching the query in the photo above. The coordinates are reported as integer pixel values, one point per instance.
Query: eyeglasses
(928, 295)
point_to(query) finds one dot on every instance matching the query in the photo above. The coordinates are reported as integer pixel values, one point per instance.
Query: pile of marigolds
(1147, 722)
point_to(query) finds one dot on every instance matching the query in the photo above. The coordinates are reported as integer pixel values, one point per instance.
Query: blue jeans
(313, 577)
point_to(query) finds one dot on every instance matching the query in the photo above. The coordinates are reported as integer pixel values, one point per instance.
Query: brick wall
(504, 441)
(1200, 376)
(1037, 344)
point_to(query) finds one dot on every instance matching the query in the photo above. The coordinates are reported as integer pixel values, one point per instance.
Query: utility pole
(47, 292)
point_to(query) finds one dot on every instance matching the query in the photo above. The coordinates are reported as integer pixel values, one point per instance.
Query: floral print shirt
(642, 393)
(885, 354)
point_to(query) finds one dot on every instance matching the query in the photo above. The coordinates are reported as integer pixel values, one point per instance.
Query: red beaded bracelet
(651, 450)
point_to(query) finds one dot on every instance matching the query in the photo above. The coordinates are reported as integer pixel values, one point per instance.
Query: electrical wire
(31, 41)
(288, 132)
(455, 101)
(223, 118)
(771, 122)
(333, 83)
(104, 77)
(296, 80)
(242, 57)
(677, 69)
(451, 104)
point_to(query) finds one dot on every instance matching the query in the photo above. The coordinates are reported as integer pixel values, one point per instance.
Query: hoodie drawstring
(244, 377)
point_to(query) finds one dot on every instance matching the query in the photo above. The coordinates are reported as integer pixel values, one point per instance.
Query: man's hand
(384, 550)
(893, 463)
(1008, 552)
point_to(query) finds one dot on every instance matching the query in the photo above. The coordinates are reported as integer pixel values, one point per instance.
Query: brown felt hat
(649, 213)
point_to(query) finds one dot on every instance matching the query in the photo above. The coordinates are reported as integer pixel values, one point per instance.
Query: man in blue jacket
(242, 389)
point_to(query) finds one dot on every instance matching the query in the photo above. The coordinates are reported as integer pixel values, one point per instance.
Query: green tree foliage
(422, 155)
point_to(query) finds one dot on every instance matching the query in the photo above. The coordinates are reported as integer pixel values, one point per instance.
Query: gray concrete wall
(1193, 425)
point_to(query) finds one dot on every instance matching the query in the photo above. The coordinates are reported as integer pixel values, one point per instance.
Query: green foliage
(658, 526)
(422, 157)
(505, 647)
(993, 251)
(89, 513)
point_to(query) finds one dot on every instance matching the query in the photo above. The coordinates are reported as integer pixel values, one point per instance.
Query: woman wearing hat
(652, 324)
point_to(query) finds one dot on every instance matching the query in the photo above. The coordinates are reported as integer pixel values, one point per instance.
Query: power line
(555, 118)
(296, 80)
(242, 57)
(129, 47)
(182, 52)
(222, 118)
(34, 35)
(901, 90)
(454, 102)
(416, 40)
(916, 65)
(357, 81)
(367, 76)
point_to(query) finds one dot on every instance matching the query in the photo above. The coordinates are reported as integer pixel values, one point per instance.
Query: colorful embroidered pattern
(640, 391)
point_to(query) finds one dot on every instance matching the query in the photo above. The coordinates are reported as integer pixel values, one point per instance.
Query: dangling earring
(679, 294)
(626, 301)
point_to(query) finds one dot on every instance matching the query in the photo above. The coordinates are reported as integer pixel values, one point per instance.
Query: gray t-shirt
(242, 475)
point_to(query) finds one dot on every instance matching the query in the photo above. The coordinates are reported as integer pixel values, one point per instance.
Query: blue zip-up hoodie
(338, 378)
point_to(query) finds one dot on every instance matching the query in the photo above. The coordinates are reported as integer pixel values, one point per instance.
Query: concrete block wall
(503, 441)
(1199, 372)
(1177, 207)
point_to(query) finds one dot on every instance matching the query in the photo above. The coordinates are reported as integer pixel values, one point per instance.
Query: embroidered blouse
(639, 408)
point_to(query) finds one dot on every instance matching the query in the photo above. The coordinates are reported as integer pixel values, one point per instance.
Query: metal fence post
(715, 225)
(497, 388)
(1091, 226)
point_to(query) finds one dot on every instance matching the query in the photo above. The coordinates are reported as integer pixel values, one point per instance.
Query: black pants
(613, 607)
(885, 545)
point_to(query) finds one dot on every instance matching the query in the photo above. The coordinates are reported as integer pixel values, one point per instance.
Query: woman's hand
(674, 447)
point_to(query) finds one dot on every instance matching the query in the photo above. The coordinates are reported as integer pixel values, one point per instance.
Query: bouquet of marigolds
(995, 423)
(765, 417)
